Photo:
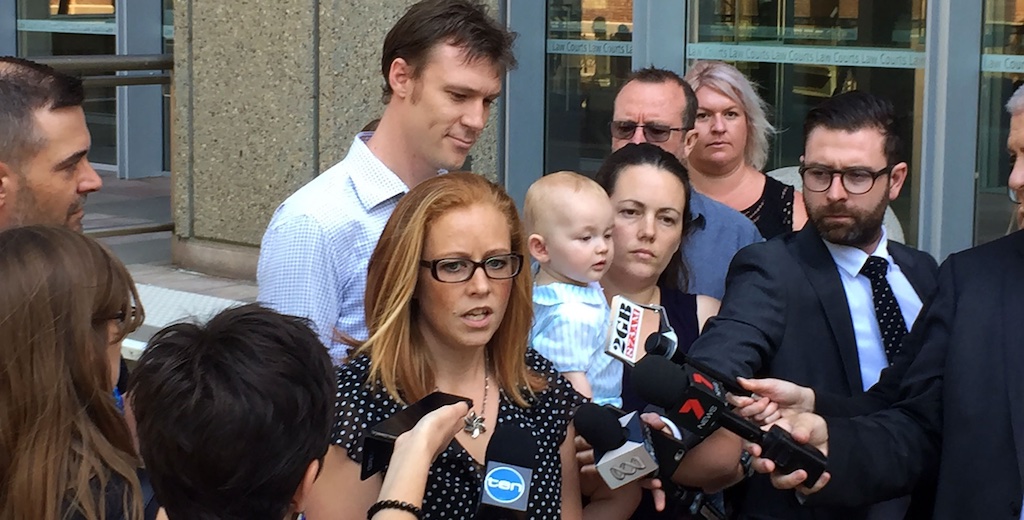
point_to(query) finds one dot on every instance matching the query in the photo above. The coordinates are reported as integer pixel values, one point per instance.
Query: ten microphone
(695, 403)
(511, 460)
(623, 448)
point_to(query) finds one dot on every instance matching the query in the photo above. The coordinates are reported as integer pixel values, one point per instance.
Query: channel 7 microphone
(637, 330)
(511, 461)
(697, 404)
(623, 448)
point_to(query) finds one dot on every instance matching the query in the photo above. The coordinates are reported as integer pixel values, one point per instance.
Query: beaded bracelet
(393, 504)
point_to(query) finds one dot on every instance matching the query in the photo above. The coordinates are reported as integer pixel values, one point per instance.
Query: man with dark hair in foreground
(234, 419)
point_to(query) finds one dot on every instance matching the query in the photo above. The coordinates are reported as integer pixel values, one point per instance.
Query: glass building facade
(948, 65)
(798, 52)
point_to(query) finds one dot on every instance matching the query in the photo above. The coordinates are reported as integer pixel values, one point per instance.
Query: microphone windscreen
(658, 381)
(513, 444)
(657, 344)
(599, 426)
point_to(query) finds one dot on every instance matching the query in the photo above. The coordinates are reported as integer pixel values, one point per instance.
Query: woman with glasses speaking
(449, 309)
(730, 146)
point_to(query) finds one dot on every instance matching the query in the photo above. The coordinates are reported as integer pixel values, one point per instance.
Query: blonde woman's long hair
(397, 359)
(730, 82)
(62, 438)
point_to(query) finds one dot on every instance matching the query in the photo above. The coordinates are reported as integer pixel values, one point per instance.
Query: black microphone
(695, 403)
(623, 448)
(664, 343)
(511, 460)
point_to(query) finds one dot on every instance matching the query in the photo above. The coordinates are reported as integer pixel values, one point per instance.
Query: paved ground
(168, 294)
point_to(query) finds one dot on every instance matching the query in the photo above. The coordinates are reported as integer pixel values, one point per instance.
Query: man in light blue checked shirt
(442, 66)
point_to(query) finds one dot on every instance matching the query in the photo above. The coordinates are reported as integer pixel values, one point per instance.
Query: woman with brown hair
(66, 303)
(449, 308)
(650, 191)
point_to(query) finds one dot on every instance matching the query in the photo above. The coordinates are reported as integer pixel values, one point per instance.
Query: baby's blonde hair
(546, 199)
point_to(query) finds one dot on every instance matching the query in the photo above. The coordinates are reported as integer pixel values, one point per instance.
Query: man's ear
(896, 180)
(7, 185)
(538, 249)
(689, 142)
(301, 495)
(400, 78)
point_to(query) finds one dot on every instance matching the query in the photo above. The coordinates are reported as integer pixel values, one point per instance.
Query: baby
(569, 221)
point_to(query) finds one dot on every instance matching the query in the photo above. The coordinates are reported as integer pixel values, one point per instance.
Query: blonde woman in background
(729, 147)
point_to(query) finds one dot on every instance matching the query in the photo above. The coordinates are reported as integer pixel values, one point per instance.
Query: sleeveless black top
(773, 212)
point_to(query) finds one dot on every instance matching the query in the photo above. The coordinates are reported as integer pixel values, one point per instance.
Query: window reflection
(77, 7)
(76, 27)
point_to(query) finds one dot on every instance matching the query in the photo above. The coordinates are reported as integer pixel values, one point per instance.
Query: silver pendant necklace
(474, 424)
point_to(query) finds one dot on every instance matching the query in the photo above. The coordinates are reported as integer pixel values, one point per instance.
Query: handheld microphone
(631, 324)
(637, 330)
(665, 344)
(694, 402)
(623, 446)
(511, 460)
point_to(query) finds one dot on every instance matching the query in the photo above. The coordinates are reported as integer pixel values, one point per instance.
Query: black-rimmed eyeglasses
(653, 132)
(455, 270)
(856, 181)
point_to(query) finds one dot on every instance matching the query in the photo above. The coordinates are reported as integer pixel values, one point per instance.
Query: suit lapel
(1012, 342)
(921, 280)
(823, 275)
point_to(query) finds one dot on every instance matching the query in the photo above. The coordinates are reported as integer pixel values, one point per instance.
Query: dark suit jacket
(962, 397)
(785, 315)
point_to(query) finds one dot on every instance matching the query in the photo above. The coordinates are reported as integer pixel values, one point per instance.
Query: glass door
(1002, 72)
(802, 51)
(74, 27)
(589, 48)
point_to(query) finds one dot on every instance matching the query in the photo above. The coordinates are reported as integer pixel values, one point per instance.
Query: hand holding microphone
(696, 403)
(511, 460)
(623, 450)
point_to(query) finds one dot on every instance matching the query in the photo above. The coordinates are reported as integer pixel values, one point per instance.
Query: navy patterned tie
(887, 309)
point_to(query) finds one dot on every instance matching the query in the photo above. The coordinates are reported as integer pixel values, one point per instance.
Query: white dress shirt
(870, 349)
(315, 251)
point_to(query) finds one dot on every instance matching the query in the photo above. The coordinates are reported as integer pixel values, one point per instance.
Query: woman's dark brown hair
(63, 442)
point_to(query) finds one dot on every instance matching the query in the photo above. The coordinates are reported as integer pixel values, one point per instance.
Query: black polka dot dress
(455, 480)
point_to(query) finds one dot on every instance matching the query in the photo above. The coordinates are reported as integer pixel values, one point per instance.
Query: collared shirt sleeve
(569, 335)
(298, 275)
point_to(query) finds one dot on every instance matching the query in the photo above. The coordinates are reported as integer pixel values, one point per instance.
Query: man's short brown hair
(462, 23)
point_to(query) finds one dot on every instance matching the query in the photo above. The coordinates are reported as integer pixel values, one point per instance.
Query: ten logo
(504, 484)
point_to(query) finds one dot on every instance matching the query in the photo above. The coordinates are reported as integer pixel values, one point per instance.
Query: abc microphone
(622, 445)
(511, 460)
(695, 403)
